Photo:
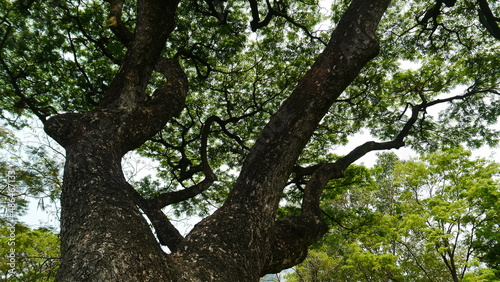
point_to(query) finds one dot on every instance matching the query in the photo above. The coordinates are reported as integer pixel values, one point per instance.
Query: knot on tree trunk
(66, 128)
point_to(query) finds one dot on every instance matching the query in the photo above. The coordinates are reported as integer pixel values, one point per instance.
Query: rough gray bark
(104, 236)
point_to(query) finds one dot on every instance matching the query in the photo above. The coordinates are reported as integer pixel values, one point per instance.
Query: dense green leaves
(454, 57)
(238, 76)
(50, 56)
(35, 256)
(431, 219)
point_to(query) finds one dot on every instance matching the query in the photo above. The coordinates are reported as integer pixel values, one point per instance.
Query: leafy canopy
(59, 56)
(427, 219)
(36, 256)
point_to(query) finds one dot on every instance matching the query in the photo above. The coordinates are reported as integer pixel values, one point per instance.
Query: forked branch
(325, 172)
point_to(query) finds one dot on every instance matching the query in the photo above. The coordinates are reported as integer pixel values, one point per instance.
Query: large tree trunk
(104, 235)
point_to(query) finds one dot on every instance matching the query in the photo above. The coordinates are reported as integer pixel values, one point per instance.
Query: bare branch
(178, 196)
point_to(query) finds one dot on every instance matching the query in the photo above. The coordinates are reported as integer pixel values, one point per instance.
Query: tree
(28, 173)
(189, 84)
(429, 230)
(37, 254)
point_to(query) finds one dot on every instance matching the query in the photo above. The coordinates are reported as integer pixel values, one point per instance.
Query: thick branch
(315, 186)
(290, 240)
(293, 235)
(247, 218)
(256, 23)
(488, 20)
(155, 22)
(351, 46)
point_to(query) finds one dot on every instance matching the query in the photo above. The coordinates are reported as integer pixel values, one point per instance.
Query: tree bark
(103, 233)
(244, 232)
(104, 236)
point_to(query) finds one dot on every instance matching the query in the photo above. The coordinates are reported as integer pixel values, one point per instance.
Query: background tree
(37, 254)
(29, 174)
(429, 230)
(240, 103)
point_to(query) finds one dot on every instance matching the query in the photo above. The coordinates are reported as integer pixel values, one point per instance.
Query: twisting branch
(217, 10)
(223, 123)
(256, 193)
(315, 186)
(309, 225)
(398, 141)
(166, 199)
(301, 172)
(324, 172)
(169, 198)
(197, 60)
(256, 23)
(294, 234)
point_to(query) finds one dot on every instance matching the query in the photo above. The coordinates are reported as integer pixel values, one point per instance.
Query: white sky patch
(409, 65)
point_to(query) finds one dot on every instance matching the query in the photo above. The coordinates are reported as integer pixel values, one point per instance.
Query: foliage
(36, 253)
(28, 174)
(30, 171)
(428, 219)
